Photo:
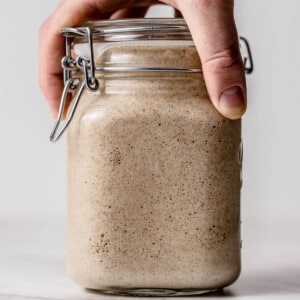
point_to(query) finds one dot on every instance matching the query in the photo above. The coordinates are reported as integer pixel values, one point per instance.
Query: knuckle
(221, 61)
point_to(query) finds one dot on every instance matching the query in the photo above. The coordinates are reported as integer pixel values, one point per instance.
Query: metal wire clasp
(248, 61)
(71, 67)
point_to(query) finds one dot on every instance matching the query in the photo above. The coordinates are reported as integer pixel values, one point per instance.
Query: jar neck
(143, 54)
(153, 83)
(163, 54)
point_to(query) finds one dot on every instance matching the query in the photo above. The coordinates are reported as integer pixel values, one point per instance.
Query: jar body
(153, 187)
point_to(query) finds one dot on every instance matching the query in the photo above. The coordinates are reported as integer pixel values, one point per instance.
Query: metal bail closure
(247, 59)
(56, 133)
(70, 65)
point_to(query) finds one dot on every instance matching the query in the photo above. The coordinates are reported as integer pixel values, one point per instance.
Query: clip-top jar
(153, 169)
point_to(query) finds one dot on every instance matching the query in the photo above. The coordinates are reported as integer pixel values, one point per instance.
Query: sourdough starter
(153, 178)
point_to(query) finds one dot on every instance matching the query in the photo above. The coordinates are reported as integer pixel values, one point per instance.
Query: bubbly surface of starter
(153, 180)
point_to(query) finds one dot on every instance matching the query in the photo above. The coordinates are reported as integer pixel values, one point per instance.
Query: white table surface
(32, 261)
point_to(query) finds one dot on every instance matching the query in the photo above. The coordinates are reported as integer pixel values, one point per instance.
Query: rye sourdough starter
(153, 178)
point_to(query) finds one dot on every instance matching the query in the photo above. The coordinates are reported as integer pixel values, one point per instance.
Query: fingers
(212, 27)
(215, 36)
(72, 13)
(130, 12)
(51, 46)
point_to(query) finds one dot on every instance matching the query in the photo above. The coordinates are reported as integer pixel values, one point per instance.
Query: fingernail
(232, 103)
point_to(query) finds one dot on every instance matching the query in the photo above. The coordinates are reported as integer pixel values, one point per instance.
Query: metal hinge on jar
(246, 54)
(73, 66)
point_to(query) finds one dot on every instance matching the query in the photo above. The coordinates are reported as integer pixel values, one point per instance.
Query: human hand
(211, 23)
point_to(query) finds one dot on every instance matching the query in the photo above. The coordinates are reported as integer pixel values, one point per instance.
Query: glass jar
(153, 169)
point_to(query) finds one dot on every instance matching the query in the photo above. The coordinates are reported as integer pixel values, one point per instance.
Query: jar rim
(131, 29)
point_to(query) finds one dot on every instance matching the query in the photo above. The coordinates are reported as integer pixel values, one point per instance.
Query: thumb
(214, 32)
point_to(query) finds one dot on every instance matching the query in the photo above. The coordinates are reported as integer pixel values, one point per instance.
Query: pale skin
(211, 23)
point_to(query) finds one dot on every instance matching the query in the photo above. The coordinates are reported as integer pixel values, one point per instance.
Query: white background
(32, 170)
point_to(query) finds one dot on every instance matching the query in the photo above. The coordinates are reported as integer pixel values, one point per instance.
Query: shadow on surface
(273, 281)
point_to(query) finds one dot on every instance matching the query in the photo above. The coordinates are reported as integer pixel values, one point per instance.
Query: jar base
(156, 292)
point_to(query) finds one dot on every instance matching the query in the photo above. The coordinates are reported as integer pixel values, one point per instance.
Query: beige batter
(153, 179)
